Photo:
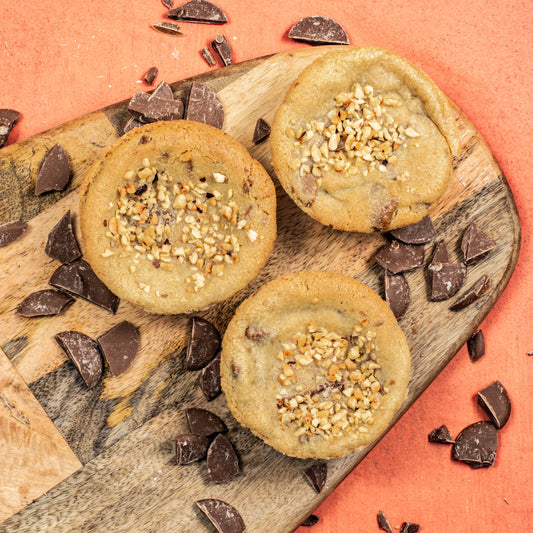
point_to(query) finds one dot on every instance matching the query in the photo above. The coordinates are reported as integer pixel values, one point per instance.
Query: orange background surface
(62, 59)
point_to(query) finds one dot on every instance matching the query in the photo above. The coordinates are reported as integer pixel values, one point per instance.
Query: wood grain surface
(122, 431)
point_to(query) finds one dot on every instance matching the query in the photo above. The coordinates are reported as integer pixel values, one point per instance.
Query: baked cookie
(314, 364)
(176, 216)
(363, 141)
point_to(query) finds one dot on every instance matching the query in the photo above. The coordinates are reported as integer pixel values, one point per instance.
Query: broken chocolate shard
(317, 475)
(200, 11)
(446, 279)
(478, 290)
(190, 448)
(398, 257)
(210, 379)
(61, 243)
(54, 173)
(47, 302)
(8, 120)
(204, 106)
(204, 343)
(167, 27)
(163, 90)
(84, 353)
(311, 520)
(419, 233)
(223, 49)
(208, 57)
(476, 346)
(475, 244)
(12, 231)
(262, 131)
(150, 108)
(222, 461)
(409, 527)
(397, 293)
(495, 401)
(131, 124)
(256, 333)
(441, 435)
(151, 75)
(119, 346)
(168, 3)
(319, 30)
(79, 279)
(476, 445)
(222, 515)
(383, 523)
(440, 255)
(204, 422)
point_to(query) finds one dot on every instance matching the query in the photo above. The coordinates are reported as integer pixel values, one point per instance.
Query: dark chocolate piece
(419, 233)
(199, 11)
(446, 279)
(204, 343)
(210, 379)
(204, 106)
(319, 30)
(62, 244)
(149, 108)
(44, 303)
(397, 293)
(79, 279)
(168, 3)
(311, 520)
(204, 422)
(222, 515)
(151, 75)
(222, 461)
(54, 173)
(495, 401)
(398, 257)
(409, 527)
(12, 231)
(476, 445)
(163, 90)
(383, 523)
(440, 255)
(476, 346)
(119, 346)
(479, 289)
(8, 120)
(441, 435)
(167, 27)
(262, 131)
(208, 57)
(131, 124)
(84, 353)
(475, 244)
(256, 333)
(223, 49)
(191, 447)
(317, 475)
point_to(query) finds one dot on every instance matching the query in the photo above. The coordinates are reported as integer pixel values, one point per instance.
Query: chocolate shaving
(204, 422)
(397, 257)
(262, 131)
(476, 445)
(319, 30)
(204, 106)
(223, 49)
(222, 515)
(397, 293)
(475, 244)
(383, 523)
(47, 302)
(419, 233)
(222, 461)
(119, 346)
(495, 401)
(441, 435)
(204, 342)
(190, 448)
(311, 520)
(210, 379)
(61, 243)
(208, 57)
(168, 3)
(151, 75)
(12, 231)
(199, 11)
(150, 108)
(167, 27)
(54, 173)
(317, 475)
(409, 527)
(476, 346)
(8, 120)
(478, 290)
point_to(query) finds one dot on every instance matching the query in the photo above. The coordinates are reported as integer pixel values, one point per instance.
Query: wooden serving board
(106, 456)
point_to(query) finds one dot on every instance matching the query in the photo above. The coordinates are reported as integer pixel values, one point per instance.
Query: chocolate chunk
(191, 447)
(419, 233)
(11, 231)
(168, 3)
(151, 75)
(223, 49)
(255, 333)
(309, 187)
(44, 303)
(409, 527)
(8, 120)
(476, 445)
(440, 255)
(204, 342)
(475, 244)
(119, 346)
(319, 30)
(383, 523)
(84, 353)
(210, 379)
(262, 131)
(495, 401)
(222, 515)
(204, 422)
(383, 217)
(310, 521)
(149, 108)
(476, 346)
(54, 173)
(204, 106)
(397, 257)
(163, 90)
(199, 11)
(397, 293)
(131, 124)
(441, 435)
(79, 279)
(479, 289)
(62, 244)
(167, 27)
(317, 475)
(208, 56)
(222, 461)
(446, 279)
